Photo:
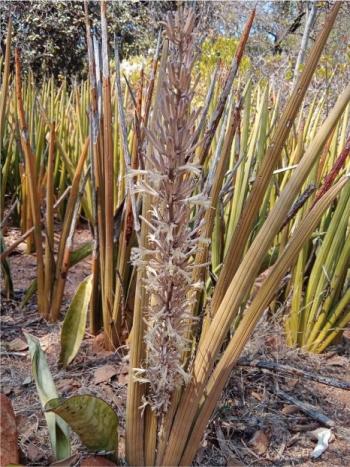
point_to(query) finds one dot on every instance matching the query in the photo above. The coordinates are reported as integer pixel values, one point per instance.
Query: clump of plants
(208, 197)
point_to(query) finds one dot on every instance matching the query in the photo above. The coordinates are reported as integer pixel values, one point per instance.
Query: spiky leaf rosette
(170, 178)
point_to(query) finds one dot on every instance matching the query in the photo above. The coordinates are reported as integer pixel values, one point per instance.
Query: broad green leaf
(75, 322)
(58, 429)
(92, 419)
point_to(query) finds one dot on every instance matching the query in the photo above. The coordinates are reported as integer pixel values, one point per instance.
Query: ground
(252, 425)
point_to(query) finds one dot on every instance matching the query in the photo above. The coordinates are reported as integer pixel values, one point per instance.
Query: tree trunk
(310, 21)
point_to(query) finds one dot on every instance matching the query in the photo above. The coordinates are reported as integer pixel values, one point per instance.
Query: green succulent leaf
(92, 419)
(75, 322)
(58, 429)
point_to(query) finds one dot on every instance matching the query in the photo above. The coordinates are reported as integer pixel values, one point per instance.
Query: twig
(297, 371)
(314, 413)
(12, 354)
(308, 409)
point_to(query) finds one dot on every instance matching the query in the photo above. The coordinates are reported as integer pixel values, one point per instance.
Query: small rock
(27, 381)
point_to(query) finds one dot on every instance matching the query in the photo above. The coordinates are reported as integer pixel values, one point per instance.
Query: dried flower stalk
(170, 179)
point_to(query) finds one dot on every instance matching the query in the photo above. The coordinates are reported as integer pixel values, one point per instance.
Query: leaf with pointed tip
(58, 429)
(94, 421)
(75, 322)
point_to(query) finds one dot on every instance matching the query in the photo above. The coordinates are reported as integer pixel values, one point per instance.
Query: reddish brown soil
(249, 403)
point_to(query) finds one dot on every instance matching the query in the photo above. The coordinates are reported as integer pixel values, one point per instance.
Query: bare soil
(249, 408)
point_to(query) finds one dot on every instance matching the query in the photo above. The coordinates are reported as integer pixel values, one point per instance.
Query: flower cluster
(171, 179)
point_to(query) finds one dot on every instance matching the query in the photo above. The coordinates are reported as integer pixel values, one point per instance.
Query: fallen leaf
(98, 345)
(289, 409)
(17, 345)
(259, 442)
(8, 433)
(104, 374)
(66, 385)
(314, 434)
(257, 396)
(96, 461)
(291, 383)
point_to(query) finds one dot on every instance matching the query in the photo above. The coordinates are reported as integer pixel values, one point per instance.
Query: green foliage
(45, 32)
(74, 324)
(223, 49)
(51, 35)
(94, 421)
(58, 429)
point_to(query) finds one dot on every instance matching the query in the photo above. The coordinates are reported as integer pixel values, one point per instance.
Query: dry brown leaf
(105, 373)
(291, 382)
(257, 395)
(289, 409)
(123, 379)
(98, 345)
(259, 442)
(66, 385)
(17, 345)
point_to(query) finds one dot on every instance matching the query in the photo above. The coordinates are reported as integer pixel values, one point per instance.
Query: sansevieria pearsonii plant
(188, 177)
